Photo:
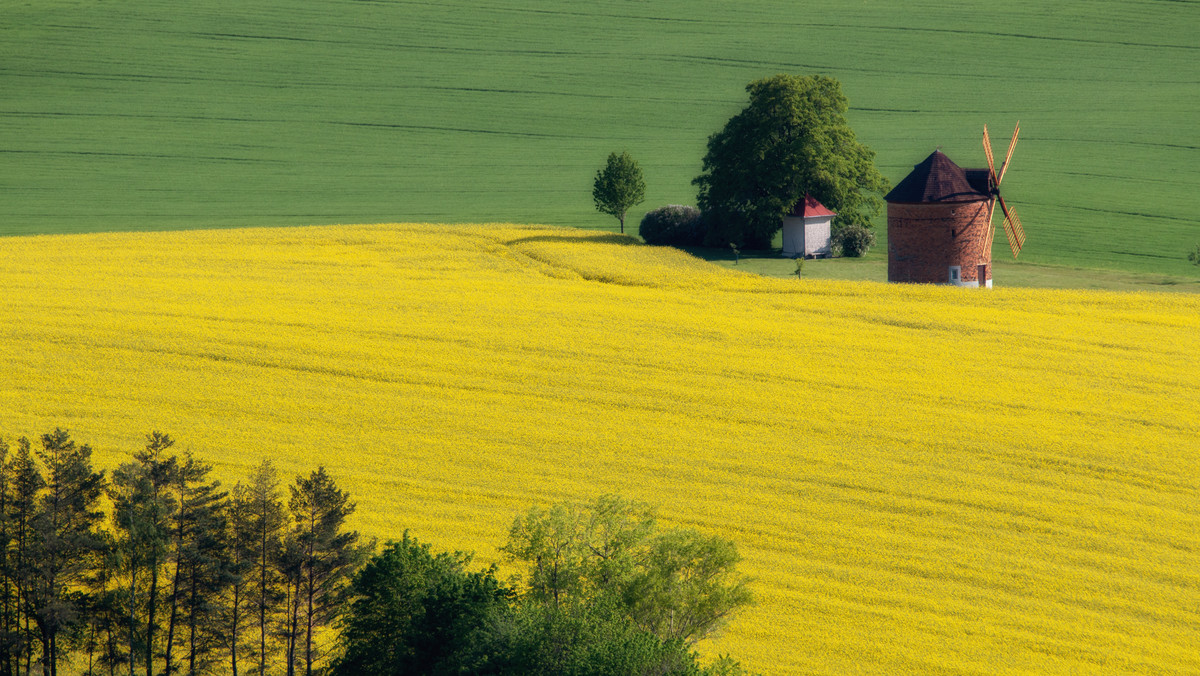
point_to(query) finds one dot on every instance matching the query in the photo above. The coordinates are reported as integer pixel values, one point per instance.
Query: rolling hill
(920, 479)
(149, 115)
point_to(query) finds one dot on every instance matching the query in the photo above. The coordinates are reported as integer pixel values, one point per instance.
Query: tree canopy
(416, 612)
(618, 186)
(679, 585)
(791, 139)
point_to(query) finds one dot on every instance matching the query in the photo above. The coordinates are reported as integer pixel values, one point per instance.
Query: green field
(148, 114)
(1008, 273)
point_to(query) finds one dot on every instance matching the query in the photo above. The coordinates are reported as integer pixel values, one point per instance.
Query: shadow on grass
(716, 254)
(599, 238)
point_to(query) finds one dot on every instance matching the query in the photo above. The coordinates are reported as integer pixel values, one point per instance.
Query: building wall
(793, 236)
(925, 240)
(806, 236)
(816, 236)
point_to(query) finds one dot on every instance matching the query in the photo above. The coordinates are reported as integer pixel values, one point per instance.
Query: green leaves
(791, 139)
(677, 585)
(618, 186)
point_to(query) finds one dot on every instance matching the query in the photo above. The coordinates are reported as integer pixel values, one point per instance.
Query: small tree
(618, 186)
(1194, 256)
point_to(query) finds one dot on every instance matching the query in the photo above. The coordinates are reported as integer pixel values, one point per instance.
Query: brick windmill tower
(940, 221)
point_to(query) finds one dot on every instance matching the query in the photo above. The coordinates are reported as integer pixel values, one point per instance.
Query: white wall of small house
(793, 236)
(817, 235)
(806, 236)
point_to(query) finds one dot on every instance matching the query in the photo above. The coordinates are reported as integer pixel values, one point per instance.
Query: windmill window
(955, 273)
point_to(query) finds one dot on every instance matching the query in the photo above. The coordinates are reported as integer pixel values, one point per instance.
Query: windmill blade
(989, 234)
(1015, 224)
(1011, 146)
(987, 150)
(1012, 228)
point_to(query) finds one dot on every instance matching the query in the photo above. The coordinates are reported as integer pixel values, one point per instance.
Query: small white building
(806, 230)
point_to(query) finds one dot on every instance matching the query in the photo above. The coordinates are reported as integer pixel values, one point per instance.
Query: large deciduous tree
(618, 186)
(791, 139)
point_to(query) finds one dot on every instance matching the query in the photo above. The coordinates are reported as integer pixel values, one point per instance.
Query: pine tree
(143, 507)
(27, 484)
(232, 613)
(201, 561)
(264, 526)
(326, 556)
(8, 637)
(66, 541)
(102, 638)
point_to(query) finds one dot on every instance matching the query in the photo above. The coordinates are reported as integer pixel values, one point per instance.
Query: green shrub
(673, 225)
(855, 240)
(1194, 256)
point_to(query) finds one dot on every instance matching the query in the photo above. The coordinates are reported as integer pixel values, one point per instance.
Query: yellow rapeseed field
(920, 479)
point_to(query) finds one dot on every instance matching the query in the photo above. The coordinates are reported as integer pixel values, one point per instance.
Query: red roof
(809, 207)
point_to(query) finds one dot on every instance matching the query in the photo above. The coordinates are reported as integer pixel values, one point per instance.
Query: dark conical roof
(937, 179)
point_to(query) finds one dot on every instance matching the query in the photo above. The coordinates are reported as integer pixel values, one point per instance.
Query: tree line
(156, 569)
(177, 576)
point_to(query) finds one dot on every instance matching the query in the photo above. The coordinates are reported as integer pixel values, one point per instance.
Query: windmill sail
(987, 150)
(1012, 224)
(1011, 146)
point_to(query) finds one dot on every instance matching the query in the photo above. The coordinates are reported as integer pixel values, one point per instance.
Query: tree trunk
(168, 667)
(111, 644)
(234, 633)
(28, 646)
(91, 644)
(150, 617)
(294, 629)
(45, 651)
(262, 612)
(132, 620)
(309, 592)
(192, 625)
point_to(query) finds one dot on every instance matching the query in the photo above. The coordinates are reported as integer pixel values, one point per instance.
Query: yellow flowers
(919, 478)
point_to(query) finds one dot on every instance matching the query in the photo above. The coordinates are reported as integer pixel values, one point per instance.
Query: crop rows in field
(146, 115)
(920, 479)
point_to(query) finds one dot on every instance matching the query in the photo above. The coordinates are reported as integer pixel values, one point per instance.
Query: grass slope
(148, 114)
(921, 479)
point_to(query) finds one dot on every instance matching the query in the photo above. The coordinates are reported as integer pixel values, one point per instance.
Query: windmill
(1012, 224)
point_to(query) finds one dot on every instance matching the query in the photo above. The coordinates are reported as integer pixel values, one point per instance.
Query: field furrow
(921, 479)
